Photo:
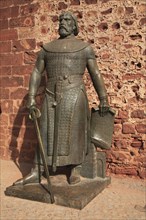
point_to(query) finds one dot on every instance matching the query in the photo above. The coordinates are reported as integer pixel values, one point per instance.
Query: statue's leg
(35, 175)
(75, 175)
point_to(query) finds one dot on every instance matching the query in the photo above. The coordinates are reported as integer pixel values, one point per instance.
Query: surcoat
(65, 114)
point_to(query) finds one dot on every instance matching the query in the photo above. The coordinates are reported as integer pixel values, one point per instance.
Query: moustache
(63, 27)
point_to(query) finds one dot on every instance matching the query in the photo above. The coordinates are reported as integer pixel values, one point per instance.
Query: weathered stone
(122, 114)
(75, 2)
(121, 144)
(7, 106)
(61, 6)
(141, 128)
(144, 52)
(29, 9)
(128, 128)
(91, 2)
(117, 128)
(126, 170)
(108, 11)
(137, 144)
(19, 93)
(142, 173)
(137, 114)
(24, 44)
(55, 18)
(128, 22)
(22, 70)
(103, 40)
(22, 22)
(5, 46)
(103, 26)
(136, 36)
(142, 21)
(10, 34)
(104, 1)
(120, 10)
(129, 10)
(141, 8)
(119, 155)
(30, 57)
(116, 25)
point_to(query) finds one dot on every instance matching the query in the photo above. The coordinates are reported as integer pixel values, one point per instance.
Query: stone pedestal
(75, 196)
(93, 181)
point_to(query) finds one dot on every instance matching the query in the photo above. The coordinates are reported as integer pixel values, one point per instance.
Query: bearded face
(66, 25)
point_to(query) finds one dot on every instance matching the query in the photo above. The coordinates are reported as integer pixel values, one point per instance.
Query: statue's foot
(75, 175)
(74, 180)
(32, 177)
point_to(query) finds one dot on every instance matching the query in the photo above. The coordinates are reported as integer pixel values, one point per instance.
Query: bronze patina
(65, 115)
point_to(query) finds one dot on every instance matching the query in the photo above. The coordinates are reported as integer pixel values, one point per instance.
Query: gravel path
(116, 202)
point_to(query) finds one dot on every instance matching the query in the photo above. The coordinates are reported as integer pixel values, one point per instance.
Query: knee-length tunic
(64, 121)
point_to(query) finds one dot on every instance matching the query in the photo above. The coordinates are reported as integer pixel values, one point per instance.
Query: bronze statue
(65, 115)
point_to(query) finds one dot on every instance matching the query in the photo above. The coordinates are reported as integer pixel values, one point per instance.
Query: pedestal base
(73, 196)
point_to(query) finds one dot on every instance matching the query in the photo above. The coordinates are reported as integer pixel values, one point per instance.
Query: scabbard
(58, 90)
(42, 153)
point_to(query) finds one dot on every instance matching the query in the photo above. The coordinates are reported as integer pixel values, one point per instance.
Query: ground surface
(116, 202)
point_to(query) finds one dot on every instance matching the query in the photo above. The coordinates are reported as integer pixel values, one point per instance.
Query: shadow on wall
(23, 140)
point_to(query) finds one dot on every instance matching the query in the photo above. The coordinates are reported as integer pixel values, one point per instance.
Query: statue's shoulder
(66, 45)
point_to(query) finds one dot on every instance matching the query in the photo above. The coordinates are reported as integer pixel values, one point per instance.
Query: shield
(102, 128)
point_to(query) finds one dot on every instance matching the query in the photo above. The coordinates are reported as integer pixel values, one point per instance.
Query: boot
(75, 175)
(33, 177)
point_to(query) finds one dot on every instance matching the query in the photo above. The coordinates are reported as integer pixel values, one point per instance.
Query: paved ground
(117, 202)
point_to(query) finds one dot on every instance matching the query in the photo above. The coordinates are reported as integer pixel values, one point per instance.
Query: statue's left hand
(103, 107)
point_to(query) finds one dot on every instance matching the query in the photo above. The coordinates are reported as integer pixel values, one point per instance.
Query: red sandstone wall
(115, 28)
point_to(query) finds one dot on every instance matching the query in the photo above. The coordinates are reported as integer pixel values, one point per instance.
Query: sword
(42, 152)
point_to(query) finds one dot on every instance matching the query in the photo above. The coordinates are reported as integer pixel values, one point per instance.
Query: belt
(65, 82)
(65, 87)
(66, 77)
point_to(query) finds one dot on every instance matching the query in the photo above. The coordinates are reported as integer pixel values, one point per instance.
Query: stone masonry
(116, 31)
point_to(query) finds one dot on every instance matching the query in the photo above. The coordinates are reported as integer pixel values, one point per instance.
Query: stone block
(128, 128)
(22, 22)
(75, 2)
(5, 46)
(95, 164)
(141, 128)
(11, 59)
(91, 2)
(30, 57)
(137, 114)
(4, 24)
(61, 6)
(29, 9)
(8, 34)
(12, 81)
(24, 45)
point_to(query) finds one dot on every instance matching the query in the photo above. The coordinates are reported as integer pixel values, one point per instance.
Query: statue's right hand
(34, 109)
(31, 102)
(31, 105)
